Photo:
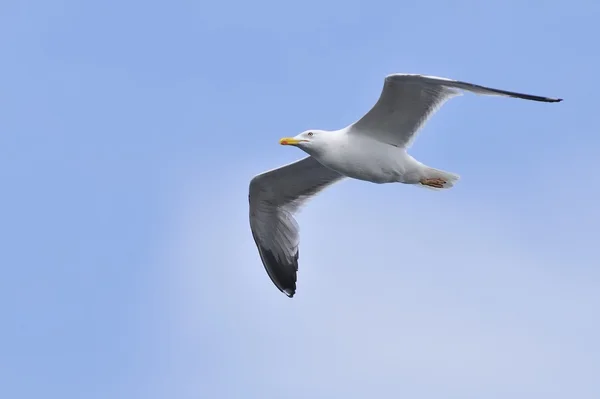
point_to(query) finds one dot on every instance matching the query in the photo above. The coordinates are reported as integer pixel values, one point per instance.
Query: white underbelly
(369, 160)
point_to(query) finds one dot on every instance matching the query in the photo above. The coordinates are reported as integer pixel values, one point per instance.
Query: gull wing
(275, 196)
(408, 100)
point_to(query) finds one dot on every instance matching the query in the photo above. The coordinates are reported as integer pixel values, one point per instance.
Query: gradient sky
(129, 132)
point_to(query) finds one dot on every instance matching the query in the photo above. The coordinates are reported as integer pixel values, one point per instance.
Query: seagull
(372, 149)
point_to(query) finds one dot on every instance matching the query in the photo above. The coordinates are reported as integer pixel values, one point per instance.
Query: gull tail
(436, 179)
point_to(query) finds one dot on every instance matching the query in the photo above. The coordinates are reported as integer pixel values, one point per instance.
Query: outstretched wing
(407, 101)
(275, 196)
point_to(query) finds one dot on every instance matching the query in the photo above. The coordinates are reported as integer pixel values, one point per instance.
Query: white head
(310, 141)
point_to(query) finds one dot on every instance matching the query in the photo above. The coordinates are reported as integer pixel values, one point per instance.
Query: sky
(129, 132)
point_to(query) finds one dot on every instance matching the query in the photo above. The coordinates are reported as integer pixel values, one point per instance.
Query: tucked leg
(434, 182)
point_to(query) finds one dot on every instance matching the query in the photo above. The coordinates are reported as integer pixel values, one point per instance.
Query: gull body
(372, 149)
(361, 157)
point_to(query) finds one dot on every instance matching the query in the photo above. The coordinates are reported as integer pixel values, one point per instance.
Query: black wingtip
(537, 98)
(282, 274)
(546, 99)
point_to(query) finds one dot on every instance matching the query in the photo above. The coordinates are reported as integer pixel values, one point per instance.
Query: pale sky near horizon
(129, 132)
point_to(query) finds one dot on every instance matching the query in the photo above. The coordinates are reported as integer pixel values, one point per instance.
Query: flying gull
(373, 149)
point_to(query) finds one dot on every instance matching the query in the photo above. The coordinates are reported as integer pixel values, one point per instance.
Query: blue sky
(129, 132)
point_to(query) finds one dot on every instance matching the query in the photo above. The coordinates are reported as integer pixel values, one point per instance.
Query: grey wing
(275, 196)
(407, 101)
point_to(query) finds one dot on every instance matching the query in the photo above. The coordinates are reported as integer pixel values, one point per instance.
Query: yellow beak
(289, 141)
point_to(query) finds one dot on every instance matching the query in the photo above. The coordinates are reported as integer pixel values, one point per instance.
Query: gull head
(311, 141)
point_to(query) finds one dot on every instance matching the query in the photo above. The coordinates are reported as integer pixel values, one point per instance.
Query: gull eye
(310, 134)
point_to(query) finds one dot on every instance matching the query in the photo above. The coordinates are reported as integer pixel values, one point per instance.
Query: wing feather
(274, 197)
(407, 101)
